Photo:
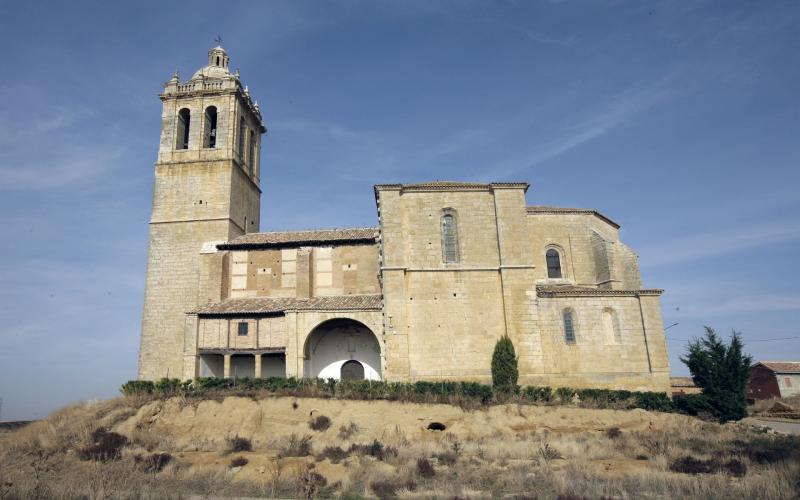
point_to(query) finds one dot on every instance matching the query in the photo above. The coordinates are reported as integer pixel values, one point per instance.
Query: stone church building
(448, 269)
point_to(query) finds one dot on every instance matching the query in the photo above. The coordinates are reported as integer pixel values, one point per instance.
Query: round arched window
(553, 263)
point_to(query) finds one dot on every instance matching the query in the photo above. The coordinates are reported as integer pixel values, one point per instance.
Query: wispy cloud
(592, 124)
(51, 150)
(63, 168)
(715, 243)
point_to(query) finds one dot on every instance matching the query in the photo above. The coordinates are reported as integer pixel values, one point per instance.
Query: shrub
(548, 453)
(722, 372)
(169, 386)
(691, 465)
(384, 488)
(538, 394)
(654, 401)
(238, 461)
(464, 394)
(447, 458)
(474, 390)
(320, 423)
(736, 468)
(613, 433)
(693, 404)
(767, 450)
(296, 447)
(346, 432)
(424, 467)
(153, 463)
(238, 444)
(135, 387)
(309, 483)
(504, 366)
(376, 449)
(105, 446)
(566, 394)
(333, 453)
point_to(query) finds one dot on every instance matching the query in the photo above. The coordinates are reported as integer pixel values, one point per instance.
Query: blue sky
(680, 120)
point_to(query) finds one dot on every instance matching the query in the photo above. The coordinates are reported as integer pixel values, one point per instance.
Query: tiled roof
(581, 291)
(541, 209)
(782, 366)
(294, 238)
(452, 186)
(681, 382)
(271, 305)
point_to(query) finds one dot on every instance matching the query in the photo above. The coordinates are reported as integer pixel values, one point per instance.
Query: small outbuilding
(683, 385)
(774, 379)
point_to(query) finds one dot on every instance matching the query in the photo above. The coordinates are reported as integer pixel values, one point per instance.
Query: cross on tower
(218, 40)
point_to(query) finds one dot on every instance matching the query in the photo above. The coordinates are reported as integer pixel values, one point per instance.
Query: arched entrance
(352, 370)
(342, 349)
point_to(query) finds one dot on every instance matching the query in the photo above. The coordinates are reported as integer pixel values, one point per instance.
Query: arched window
(449, 238)
(569, 326)
(210, 136)
(553, 263)
(240, 145)
(182, 136)
(611, 326)
(251, 154)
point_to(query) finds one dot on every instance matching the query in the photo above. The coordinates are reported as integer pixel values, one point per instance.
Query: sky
(679, 120)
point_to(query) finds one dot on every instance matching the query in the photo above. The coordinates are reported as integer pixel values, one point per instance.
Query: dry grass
(675, 460)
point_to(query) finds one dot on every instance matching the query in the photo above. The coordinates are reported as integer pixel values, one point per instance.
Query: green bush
(504, 366)
(693, 404)
(443, 391)
(722, 371)
(653, 401)
(169, 386)
(133, 387)
(538, 394)
(565, 394)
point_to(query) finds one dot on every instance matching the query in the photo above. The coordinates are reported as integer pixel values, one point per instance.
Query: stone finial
(175, 78)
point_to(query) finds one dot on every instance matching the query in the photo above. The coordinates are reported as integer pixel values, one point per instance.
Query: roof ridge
(365, 228)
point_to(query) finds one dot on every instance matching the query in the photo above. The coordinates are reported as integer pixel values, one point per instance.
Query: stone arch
(451, 253)
(210, 128)
(554, 254)
(334, 342)
(184, 121)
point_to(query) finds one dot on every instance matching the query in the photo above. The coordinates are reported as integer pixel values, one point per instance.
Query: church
(448, 269)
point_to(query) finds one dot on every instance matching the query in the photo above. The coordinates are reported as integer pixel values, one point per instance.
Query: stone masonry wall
(304, 272)
(443, 319)
(171, 289)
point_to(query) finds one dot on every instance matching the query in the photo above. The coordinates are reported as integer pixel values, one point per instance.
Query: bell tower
(206, 190)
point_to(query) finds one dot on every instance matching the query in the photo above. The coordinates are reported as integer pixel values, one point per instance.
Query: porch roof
(585, 291)
(278, 239)
(277, 305)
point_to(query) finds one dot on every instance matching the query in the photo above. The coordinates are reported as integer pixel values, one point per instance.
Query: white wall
(212, 365)
(336, 342)
(792, 387)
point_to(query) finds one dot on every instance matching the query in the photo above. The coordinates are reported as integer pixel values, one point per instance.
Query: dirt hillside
(286, 447)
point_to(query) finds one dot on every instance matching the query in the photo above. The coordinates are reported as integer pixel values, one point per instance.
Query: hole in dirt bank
(436, 426)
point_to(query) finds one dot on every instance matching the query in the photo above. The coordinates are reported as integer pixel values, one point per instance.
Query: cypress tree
(722, 372)
(504, 366)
